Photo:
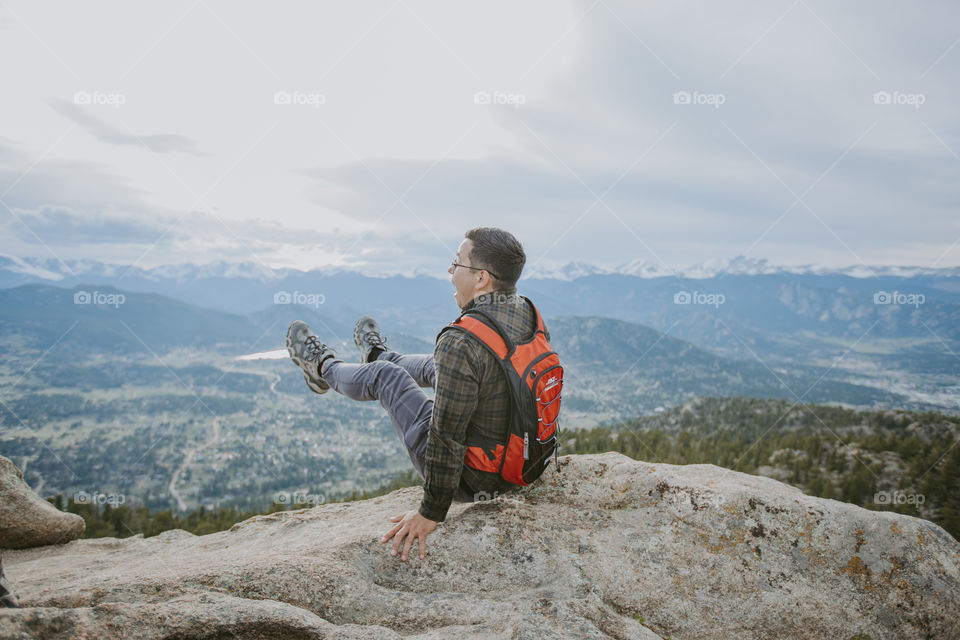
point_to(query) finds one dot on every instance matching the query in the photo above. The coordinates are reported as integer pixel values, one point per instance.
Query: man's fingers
(406, 547)
(423, 546)
(390, 533)
(397, 539)
(396, 518)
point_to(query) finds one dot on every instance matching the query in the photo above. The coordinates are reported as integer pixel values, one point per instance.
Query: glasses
(456, 264)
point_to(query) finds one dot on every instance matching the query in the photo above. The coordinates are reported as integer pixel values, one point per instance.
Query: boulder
(26, 519)
(609, 547)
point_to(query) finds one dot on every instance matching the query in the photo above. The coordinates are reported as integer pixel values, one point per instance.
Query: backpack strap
(491, 337)
(490, 331)
(536, 312)
(482, 329)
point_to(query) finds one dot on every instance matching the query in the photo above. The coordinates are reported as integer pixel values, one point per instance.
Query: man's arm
(458, 387)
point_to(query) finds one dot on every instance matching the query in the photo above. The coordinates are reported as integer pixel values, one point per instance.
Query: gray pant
(395, 380)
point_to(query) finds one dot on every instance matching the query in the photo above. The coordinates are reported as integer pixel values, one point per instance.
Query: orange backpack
(535, 378)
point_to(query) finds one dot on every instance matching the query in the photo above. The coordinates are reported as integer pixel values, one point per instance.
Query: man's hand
(411, 526)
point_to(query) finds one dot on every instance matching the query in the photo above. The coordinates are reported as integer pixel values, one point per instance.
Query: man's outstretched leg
(420, 367)
(372, 346)
(408, 406)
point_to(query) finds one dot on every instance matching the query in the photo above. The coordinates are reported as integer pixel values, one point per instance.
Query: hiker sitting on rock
(466, 443)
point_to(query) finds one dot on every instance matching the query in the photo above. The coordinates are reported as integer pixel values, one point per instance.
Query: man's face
(464, 280)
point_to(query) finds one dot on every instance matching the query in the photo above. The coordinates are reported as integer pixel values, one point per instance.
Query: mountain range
(618, 368)
(734, 311)
(49, 269)
(893, 327)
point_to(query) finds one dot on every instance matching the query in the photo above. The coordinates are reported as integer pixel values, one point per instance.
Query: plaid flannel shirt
(472, 396)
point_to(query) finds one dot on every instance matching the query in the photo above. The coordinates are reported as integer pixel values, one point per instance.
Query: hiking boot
(309, 354)
(366, 335)
(7, 599)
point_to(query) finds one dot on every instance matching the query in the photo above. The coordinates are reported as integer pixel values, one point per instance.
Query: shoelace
(374, 340)
(315, 346)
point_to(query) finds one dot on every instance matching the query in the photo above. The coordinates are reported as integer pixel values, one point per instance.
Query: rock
(608, 548)
(26, 519)
(7, 599)
(194, 616)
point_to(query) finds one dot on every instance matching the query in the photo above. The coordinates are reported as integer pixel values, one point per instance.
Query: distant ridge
(52, 270)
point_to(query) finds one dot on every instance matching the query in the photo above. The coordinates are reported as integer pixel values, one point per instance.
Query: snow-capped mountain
(16, 270)
(739, 265)
(641, 268)
(567, 272)
(53, 270)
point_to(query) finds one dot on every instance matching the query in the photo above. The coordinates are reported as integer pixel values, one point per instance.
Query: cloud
(64, 226)
(706, 132)
(80, 209)
(79, 185)
(699, 134)
(108, 133)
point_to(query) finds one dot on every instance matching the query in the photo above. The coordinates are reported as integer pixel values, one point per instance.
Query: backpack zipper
(526, 446)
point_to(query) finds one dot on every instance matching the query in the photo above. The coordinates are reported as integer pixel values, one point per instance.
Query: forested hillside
(891, 460)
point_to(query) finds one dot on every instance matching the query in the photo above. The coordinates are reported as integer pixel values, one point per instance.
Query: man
(472, 399)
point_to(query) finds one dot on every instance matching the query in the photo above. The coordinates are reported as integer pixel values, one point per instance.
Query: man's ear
(484, 280)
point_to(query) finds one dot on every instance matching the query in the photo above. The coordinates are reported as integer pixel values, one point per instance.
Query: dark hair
(499, 252)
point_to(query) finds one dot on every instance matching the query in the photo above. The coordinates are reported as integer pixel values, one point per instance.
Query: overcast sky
(373, 134)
